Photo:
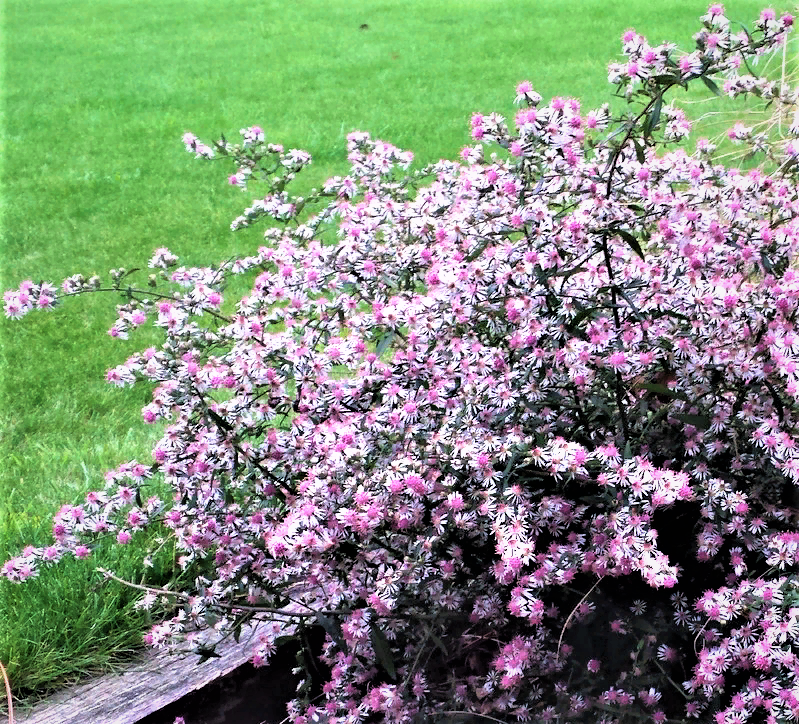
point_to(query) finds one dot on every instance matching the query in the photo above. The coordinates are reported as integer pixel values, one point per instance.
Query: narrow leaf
(598, 403)
(439, 643)
(219, 421)
(211, 619)
(281, 641)
(644, 625)
(509, 469)
(701, 422)
(384, 342)
(632, 242)
(478, 251)
(207, 652)
(714, 89)
(659, 389)
(666, 79)
(382, 650)
(654, 115)
(333, 628)
(579, 317)
(570, 272)
(639, 149)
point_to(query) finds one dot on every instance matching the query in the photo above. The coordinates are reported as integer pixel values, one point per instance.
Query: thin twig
(8, 694)
(782, 88)
(474, 713)
(228, 606)
(574, 610)
(617, 322)
(429, 632)
(312, 613)
(633, 126)
(671, 681)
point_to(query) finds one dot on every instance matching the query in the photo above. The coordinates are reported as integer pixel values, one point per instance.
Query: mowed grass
(96, 95)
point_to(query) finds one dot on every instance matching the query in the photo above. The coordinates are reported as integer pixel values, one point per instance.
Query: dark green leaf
(281, 641)
(598, 403)
(592, 499)
(384, 342)
(669, 313)
(579, 317)
(439, 643)
(659, 389)
(667, 79)
(653, 117)
(714, 89)
(631, 241)
(639, 149)
(570, 272)
(644, 625)
(129, 272)
(420, 718)
(211, 619)
(206, 652)
(333, 628)
(509, 468)
(382, 650)
(628, 451)
(701, 422)
(477, 251)
(219, 420)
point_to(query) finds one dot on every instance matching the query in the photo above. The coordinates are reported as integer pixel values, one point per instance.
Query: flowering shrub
(522, 438)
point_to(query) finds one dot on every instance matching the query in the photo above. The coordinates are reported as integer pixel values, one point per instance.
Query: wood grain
(146, 685)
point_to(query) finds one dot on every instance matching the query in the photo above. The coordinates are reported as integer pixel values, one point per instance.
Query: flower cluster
(523, 440)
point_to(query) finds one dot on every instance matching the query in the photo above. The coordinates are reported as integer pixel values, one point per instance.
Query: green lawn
(96, 95)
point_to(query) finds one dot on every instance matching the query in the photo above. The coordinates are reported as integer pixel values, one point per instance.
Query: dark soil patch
(247, 695)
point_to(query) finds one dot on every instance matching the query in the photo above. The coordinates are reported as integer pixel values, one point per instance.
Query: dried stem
(8, 694)
(311, 613)
(228, 606)
(782, 87)
(473, 713)
(574, 610)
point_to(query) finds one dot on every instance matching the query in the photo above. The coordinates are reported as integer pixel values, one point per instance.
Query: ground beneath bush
(246, 696)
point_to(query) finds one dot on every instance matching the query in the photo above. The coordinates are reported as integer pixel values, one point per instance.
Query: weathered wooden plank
(152, 682)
